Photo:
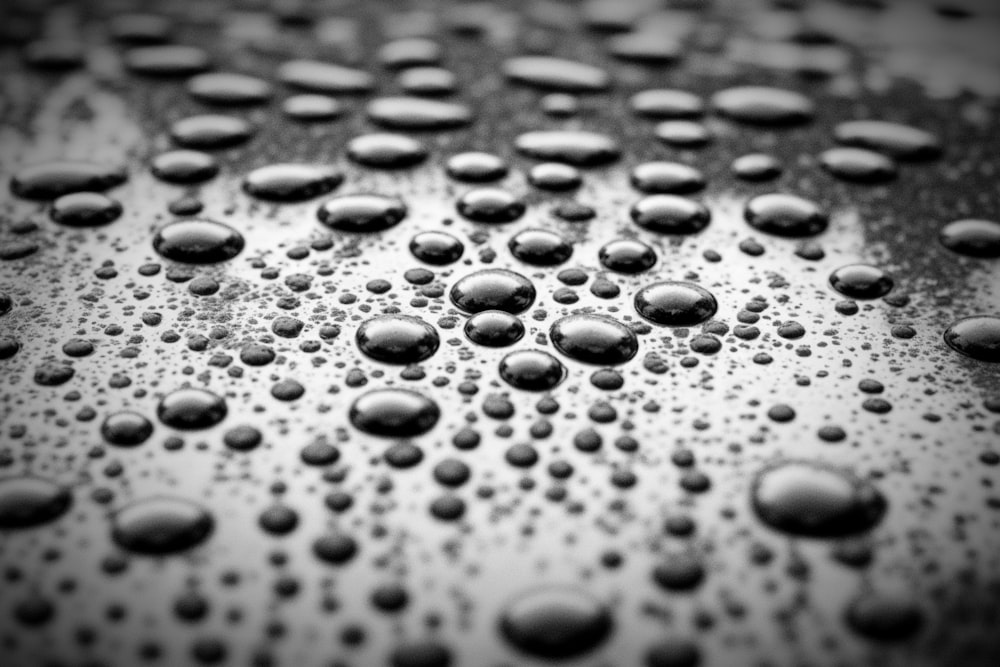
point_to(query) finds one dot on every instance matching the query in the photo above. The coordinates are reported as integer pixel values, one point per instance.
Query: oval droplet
(198, 241)
(50, 180)
(494, 328)
(974, 238)
(977, 337)
(675, 303)
(531, 370)
(670, 214)
(555, 622)
(576, 147)
(291, 182)
(394, 413)
(594, 339)
(361, 213)
(161, 525)
(552, 73)
(861, 281)
(785, 215)
(27, 501)
(763, 105)
(397, 339)
(191, 409)
(493, 289)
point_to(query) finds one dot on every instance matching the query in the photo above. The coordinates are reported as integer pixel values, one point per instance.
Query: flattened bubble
(161, 525)
(763, 105)
(191, 409)
(361, 213)
(555, 622)
(415, 113)
(662, 177)
(51, 180)
(675, 303)
(493, 289)
(540, 247)
(885, 616)
(437, 248)
(85, 209)
(184, 166)
(494, 328)
(383, 150)
(397, 339)
(667, 103)
(858, 165)
(320, 77)
(210, 132)
(576, 147)
(394, 413)
(757, 167)
(594, 339)
(815, 500)
(902, 142)
(198, 241)
(977, 337)
(532, 370)
(552, 73)
(861, 281)
(229, 88)
(476, 167)
(291, 182)
(490, 205)
(785, 215)
(27, 501)
(627, 256)
(171, 60)
(974, 238)
(670, 214)
(312, 108)
(126, 429)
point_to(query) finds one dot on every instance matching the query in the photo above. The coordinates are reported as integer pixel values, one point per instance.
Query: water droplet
(27, 501)
(210, 131)
(397, 413)
(438, 248)
(428, 81)
(646, 47)
(670, 214)
(900, 141)
(858, 165)
(977, 337)
(576, 147)
(816, 500)
(555, 176)
(291, 182)
(667, 103)
(126, 429)
(311, 108)
(494, 328)
(861, 281)
(383, 150)
(409, 52)
(493, 289)
(490, 205)
(666, 178)
(361, 213)
(397, 339)
(975, 238)
(191, 409)
(540, 247)
(675, 304)
(683, 133)
(594, 339)
(476, 167)
(171, 60)
(50, 180)
(161, 525)
(762, 105)
(552, 73)
(320, 77)
(85, 209)
(414, 113)
(785, 215)
(184, 166)
(885, 616)
(532, 370)
(229, 88)
(555, 622)
(198, 241)
(756, 167)
(627, 256)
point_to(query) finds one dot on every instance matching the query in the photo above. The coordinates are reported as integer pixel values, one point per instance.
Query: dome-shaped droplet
(428, 81)
(540, 247)
(816, 500)
(309, 107)
(198, 241)
(362, 213)
(438, 248)
(191, 409)
(85, 209)
(594, 339)
(210, 132)
(785, 215)
(667, 103)
(493, 289)
(555, 622)
(50, 180)
(576, 147)
(383, 150)
(494, 328)
(397, 339)
(885, 616)
(409, 52)
(168, 60)
(675, 304)
(667, 178)
(532, 370)
(476, 167)
(184, 166)
(490, 205)
(397, 413)
(291, 182)
(900, 141)
(975, 238)
(756, 167)
(670, 214)
(861, 281)
(627, 256)
(858, 165)
(161, 525)
(977, 337)
(126, 429)
(555, 176)
(683, 133)
(552, 73)
(415, 113)
(229, 88)
(27, 501)
(761, 105)
(320, 77)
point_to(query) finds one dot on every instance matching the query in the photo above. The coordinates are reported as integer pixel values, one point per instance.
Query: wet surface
(424, 334)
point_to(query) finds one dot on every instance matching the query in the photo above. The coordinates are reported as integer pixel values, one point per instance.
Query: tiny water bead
(476, 167)
(972, 237)
(397, 339)
(756, 167)
(540, 247)
(785, 215)
(161, 525)
(50, 180)
(816, 500)
(531, 370)
(594, 339)
(27, 501)
(229, 88)
(666, 178)
(977, 337)
(320, 77)
(126, 429)
(670, 214)
(85, 209)
(198, 241)
(627, 256)
(858, 165)
(361, 213)
(895, 139)
(291, 182)
(762, 105)
(556, 622)
(211, 132)
(191, 409)
(490, 205)
(676, 304)
(553, 73)
(383, 150)
(394, 413)
(885, 616)
(579, 148)
(184, 166)
(667, 103)
(415, 113)
(861, 281)
(437, 248)
(493, 289)
(494, 328)
(555, 177)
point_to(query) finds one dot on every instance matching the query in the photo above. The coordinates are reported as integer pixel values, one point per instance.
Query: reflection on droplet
(532, 370)
(50, 180)
(198, 241)
(594, 339)
(161, 525)
(397, 339)
(676, 304)
(27, 501)
(555, 622)
(191, 409)
(291, 182)
(361, 213)
(971, 237)
(785, 215)
(977, 337)
(493, 289)
(394, 413)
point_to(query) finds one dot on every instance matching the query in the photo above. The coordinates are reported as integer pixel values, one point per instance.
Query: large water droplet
(397, 339)
(540, 247)
(27, 501)
(858, 165)
(210, 132)
(762, 105)
(291, 182)
(490, 205)
(977, 337)
(383, 150)
(532, 370)
(667, 103)
(476, 167)
(494, 328)
(627, 256)
(438, 248)
(675, 304)
(198, 241)
(50, 180)
(861, 281)
(161, 525)
(85, 209)
(493, 289)
(169, 60)
(397, 413)
(885, 616)
(126, 429)
(320, 77)
(666, 178)
(975, 238)
(361, 213)
(184, 166)
(191, 409)
(594, 339)
(900, 141)
(556, 622)
(785, 215)
(552, 73)
(576, 147)
(229, 88)
(414, 113)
